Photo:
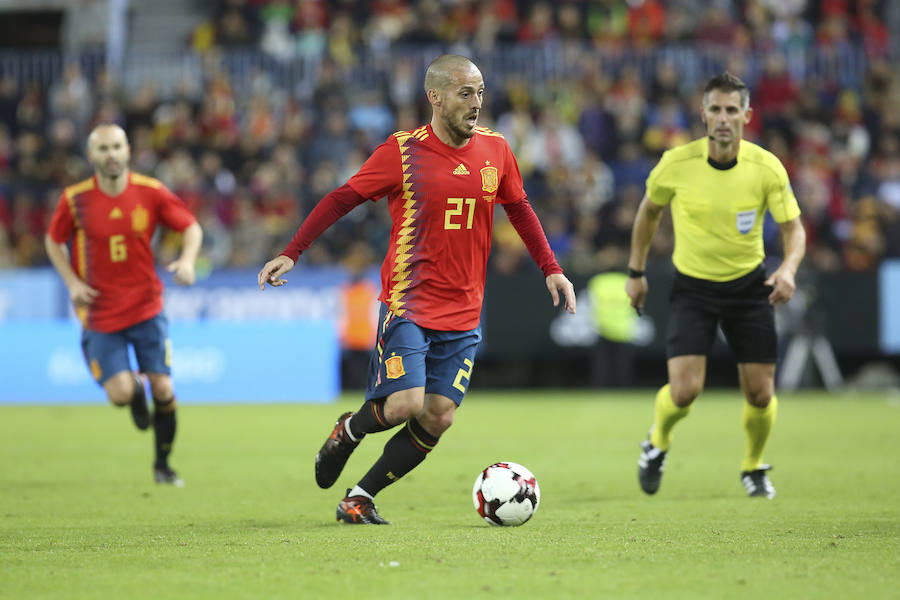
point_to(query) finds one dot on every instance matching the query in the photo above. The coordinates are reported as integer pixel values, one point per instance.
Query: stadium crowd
(251, 158)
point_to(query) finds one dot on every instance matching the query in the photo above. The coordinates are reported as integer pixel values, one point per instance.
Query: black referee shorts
(740, 306)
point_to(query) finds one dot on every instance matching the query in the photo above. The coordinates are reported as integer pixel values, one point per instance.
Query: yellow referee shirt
(718, 213)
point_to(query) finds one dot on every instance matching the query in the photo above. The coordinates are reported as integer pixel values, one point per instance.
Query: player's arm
(331, 208)
(80, 292)
(380, 174)
(527, 225)
(646, 222)
(793, 238)
(176, 216)
(183, 266)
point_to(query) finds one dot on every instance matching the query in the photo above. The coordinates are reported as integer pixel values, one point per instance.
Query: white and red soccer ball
(506, 493)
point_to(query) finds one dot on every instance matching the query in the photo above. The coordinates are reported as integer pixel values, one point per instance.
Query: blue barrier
(232, 295)
(212, 361)
(31, 294)
(889, 292)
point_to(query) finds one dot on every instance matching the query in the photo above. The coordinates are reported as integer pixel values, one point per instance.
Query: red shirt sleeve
(329, 209)
(522, 217)
(172, 211)
(61, 223)
(381, 173)
(511, 188)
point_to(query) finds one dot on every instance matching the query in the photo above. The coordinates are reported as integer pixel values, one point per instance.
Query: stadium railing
(844, 64)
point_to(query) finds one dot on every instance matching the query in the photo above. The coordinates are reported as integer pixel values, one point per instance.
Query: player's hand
(81, 293)
(558, 282)
(273, 270)
(782, 284)
(184, 271)
(636, 288)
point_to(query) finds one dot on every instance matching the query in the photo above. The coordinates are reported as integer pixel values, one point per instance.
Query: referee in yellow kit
(719, 189)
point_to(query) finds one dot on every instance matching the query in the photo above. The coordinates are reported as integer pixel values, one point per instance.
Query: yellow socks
(667, 413)
(757, 423)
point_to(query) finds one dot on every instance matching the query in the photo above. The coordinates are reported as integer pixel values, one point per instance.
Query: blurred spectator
(607, 23)
(589, 98)
(646, 21)
(539, 25)
(84, 25)
(716, 27)
(359, 316)
(71, 98)
(233, 28)
(551, 143)
(371, 115)
(775, 91)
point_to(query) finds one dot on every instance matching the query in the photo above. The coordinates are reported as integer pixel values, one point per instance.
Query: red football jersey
(111, 246)
(441, 201)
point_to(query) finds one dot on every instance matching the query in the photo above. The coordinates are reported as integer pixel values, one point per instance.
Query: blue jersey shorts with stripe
(408, 356)
(107, 353)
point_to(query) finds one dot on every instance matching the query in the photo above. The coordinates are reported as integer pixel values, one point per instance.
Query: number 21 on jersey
(455, 208)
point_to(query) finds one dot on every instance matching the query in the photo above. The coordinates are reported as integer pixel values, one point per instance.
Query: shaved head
(105, 132)
(442, 71)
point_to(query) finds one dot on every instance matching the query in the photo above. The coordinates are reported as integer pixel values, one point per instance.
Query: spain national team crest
(393, 367)
(489, 179)
(139, 219)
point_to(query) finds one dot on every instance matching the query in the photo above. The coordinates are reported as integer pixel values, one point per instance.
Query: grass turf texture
(80, 518)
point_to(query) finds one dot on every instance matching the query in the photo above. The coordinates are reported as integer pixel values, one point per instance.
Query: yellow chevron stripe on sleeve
(144, 180)
(486, 131)
(79, 188)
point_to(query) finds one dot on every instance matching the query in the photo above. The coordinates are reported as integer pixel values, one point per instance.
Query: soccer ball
(506, 493)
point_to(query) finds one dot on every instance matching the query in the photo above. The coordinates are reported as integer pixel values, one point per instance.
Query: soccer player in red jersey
(112, 282)
(442, 182)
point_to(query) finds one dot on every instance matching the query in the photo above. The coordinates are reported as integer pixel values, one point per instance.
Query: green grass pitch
(80, 517)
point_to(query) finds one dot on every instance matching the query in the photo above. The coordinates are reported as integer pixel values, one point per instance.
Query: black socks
(402, 454)
(164, 429)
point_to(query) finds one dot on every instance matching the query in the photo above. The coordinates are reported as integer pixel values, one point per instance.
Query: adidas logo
(461, 170)
(115, 213)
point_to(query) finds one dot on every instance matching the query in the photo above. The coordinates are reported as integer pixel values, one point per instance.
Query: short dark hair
(726, 82)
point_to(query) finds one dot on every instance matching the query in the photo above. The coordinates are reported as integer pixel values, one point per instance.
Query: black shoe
(140, 414)
(359, 510)
(757, 483)
(650, 466)
(166, 475)
(334, 453)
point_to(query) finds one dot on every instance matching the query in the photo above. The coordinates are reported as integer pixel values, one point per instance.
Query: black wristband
(634, 273)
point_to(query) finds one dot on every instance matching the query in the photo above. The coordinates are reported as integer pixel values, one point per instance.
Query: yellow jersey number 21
(455, 209)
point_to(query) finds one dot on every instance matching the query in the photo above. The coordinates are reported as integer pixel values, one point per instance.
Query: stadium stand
(264, 106)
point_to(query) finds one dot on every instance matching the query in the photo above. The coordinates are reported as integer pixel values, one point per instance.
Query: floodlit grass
(80, 517)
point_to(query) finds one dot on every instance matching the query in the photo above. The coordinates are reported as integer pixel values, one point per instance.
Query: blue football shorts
(107, 353)
(408, 356)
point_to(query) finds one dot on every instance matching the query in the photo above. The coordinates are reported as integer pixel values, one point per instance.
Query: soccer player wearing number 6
(109, 220)
(719, 189)
(442, 182)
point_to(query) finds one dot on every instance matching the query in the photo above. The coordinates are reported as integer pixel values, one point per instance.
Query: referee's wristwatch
(634, 273)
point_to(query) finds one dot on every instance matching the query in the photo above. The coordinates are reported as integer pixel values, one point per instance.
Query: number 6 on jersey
(118, 251)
